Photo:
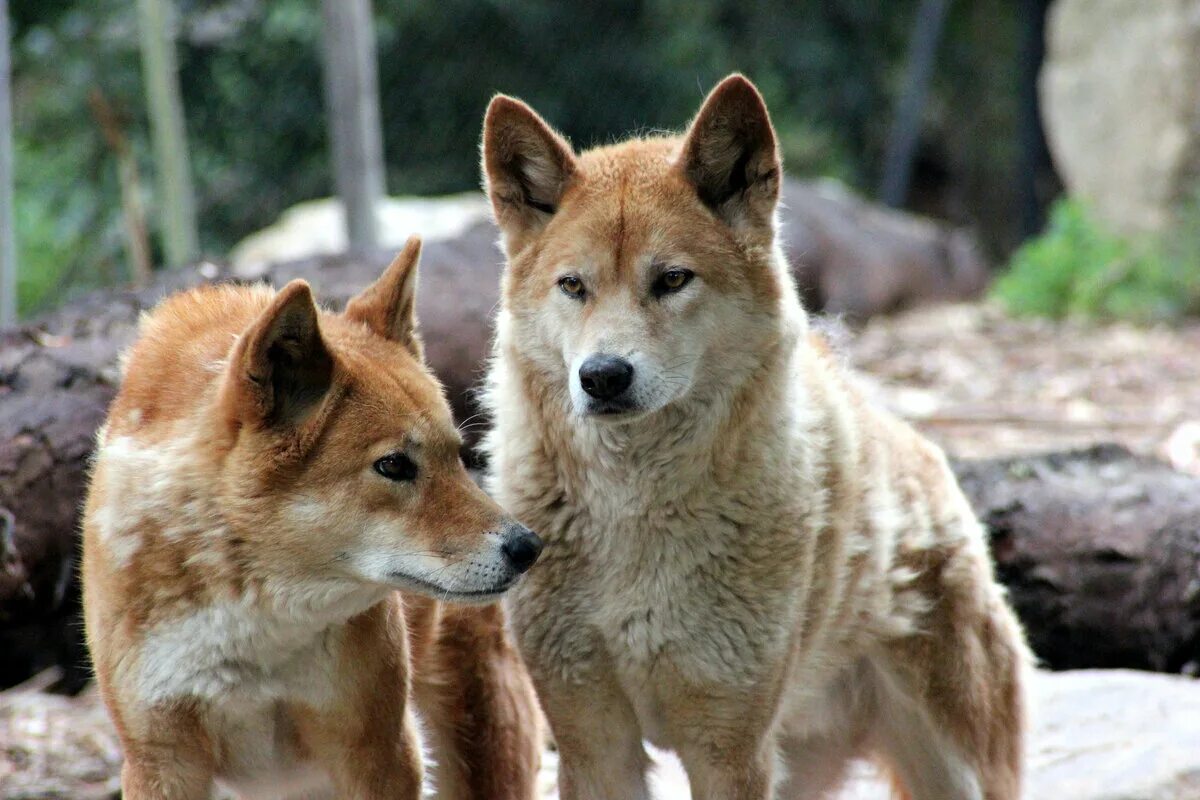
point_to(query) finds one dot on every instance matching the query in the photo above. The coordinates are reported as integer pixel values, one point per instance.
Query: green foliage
(69, 235)
(1079, 269)
(250, 74)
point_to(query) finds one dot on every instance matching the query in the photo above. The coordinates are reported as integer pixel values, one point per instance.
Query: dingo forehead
(629, 208)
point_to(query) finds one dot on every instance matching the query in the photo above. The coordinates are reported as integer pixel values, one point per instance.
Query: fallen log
(1100, 550)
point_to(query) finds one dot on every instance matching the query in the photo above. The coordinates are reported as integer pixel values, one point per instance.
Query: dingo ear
(388, 306)
(730, 155)
(281, 367)
(526, 168)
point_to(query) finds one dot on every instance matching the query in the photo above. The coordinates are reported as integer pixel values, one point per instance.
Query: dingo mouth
(614, 411)
(413, 584)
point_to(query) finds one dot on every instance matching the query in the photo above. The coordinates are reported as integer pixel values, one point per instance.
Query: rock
(1096, 735)
(857, 259)
(1122, 106)
(54, 747)
(317, 228)
(1183, 447)
(1114, 735)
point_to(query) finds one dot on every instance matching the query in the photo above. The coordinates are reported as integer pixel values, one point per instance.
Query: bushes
(1077, 268)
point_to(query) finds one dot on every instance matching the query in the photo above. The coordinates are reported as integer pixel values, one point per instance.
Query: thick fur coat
(269, 476)
(745, 561)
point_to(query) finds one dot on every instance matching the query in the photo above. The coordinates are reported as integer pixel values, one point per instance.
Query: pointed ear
(526, 168)
(731, 156)
(389, 305)
(281, 367)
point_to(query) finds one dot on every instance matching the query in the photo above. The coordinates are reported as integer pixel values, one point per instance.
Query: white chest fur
(237, 650)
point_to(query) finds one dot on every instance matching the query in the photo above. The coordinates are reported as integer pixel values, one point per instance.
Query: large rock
(318, 228)
(1121, 103)
(1097, 735)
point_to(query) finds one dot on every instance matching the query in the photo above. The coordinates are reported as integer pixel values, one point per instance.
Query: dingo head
(645, 272)
(345, 464)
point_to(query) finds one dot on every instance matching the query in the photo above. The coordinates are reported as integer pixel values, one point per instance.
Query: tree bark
(58, 374)
(1100, 549)
(1034, 165)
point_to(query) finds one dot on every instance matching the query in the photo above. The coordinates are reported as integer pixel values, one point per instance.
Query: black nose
(521, 547)
(605, 377)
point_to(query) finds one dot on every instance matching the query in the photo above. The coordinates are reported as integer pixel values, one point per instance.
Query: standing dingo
(745, 561)
(269, 475)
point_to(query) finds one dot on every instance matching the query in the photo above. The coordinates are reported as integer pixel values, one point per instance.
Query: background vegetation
(1079, 269)
(251, 81)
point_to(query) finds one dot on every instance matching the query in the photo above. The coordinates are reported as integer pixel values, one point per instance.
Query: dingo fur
(745, 562)
(269, 475)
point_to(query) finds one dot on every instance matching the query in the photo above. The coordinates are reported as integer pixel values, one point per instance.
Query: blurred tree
(8, 232)
(1034, 164)
(137, 239)
(352, 114)
(169, 130)
(906, 126)
(250, 74)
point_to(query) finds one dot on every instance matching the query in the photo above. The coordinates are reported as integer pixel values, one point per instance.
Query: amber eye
(571, 286)
(672, 281)
(397, 467)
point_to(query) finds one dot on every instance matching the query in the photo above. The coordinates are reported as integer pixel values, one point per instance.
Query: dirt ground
(984, 384)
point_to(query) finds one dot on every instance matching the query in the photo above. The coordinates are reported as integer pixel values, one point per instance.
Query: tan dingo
(745, 561)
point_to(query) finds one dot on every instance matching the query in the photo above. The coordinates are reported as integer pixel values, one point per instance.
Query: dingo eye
(672, 281)
(397, 467)
(572, 287)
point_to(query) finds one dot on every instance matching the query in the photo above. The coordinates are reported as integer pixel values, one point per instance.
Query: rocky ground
(980, 383)
(1098, 735)
(1088, 743)
(983, 384)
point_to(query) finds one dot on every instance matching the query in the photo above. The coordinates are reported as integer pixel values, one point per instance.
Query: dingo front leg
(730, 771)
(478, 709)
(727, 743)
(175, 767)
(601, 756)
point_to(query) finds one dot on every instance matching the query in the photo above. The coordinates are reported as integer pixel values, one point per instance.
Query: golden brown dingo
(269, 475)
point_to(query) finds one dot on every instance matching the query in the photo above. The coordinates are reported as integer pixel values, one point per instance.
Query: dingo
(268, 476)
(745, 562)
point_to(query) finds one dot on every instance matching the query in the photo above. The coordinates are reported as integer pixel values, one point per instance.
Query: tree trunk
(906, 127)
(1034, 165)
(352, 107)
(137, 239)
(168, 130)
(8, 229)
(1100, 549)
